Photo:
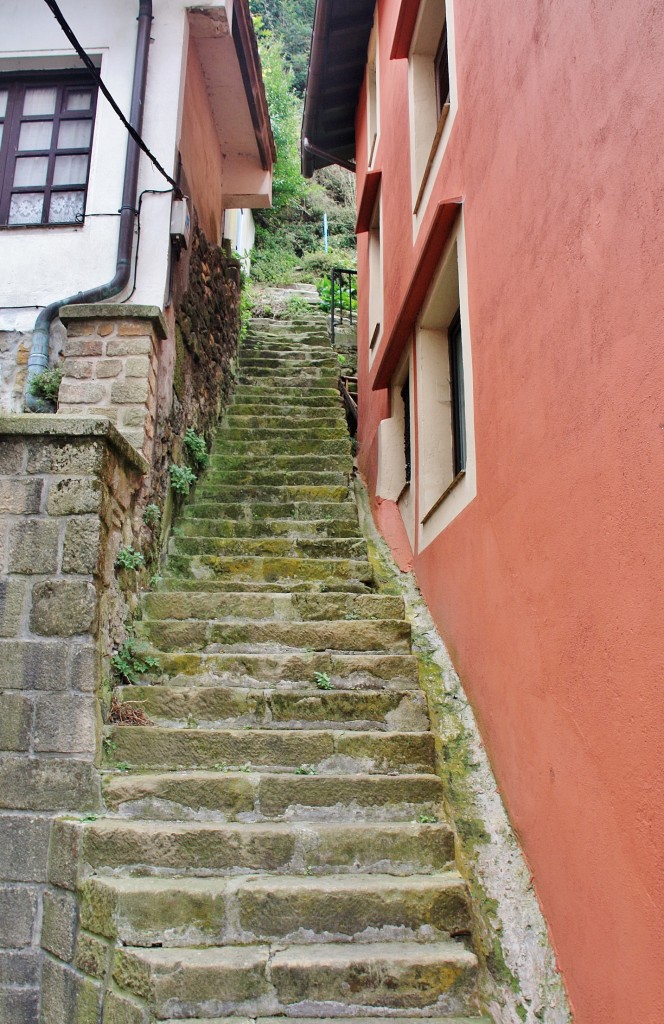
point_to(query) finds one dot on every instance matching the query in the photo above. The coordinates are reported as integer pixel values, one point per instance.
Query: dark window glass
(405, 398)
(457, 394)
(442, 72)
(46, 127)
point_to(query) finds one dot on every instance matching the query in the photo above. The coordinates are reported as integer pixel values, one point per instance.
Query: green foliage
(196, 449)
(427, 819)
(346, 295)
(291, 20)
(323, 681)
(181, 479)
(297, 306)
(129, 663)
(129, 558)
(288, 185)
(46, 384)
(306, 769)
(152, 515)
(246, 308)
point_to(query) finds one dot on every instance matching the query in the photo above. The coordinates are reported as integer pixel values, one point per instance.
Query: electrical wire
(87, 60)
(145, 192)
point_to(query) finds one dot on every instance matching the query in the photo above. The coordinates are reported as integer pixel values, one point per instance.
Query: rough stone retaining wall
(69, 496)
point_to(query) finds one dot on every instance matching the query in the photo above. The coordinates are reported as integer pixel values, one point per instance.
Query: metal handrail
(343, 293)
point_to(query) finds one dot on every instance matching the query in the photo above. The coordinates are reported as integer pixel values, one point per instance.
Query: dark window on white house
(46, 128)
(457, 399)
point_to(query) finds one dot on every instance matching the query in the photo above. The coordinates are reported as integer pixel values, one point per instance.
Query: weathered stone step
(320, 371)
(237, 707)
(170, 635)
(271, 419)
(302, 446)
(437, 977)
(295, 529)
(265, 796)
(298, 848)
(368, 671)
(295, 398)
(287, 357)
(293, 411)
(315, 463)
(337, 1020)
(264, 432)
(321, 394)
(288, 511)
(230, 912)
(271, 569)
(208, 491)
(281, 547)
(166, 749)
(252, 586)
(248, 476)
(285, 607)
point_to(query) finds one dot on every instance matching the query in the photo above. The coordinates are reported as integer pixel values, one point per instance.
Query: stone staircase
(273, 845)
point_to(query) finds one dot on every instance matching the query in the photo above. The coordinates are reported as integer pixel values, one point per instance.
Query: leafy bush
(129, 558)
(129, 663)
(196, 449)
(181, 479)
(152, 515)
(46, 384)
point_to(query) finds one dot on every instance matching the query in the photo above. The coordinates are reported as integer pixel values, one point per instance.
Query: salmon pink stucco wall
(199, 149)
(548, 586)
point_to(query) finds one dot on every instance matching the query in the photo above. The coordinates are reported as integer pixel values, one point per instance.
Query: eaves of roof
(339, 47)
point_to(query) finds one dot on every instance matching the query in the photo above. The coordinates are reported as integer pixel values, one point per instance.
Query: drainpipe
(38, 360)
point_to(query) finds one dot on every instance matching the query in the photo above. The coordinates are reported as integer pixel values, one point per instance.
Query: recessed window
(375, 277)
(431, 90)
(372, 95)
(46, 128)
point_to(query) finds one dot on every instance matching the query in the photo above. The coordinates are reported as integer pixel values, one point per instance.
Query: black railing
(343, 298)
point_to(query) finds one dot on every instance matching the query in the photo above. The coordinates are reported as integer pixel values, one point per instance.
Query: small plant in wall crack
(46, 384)
(196, 449)
(129, 558)
(323, 681)
(152, 516)
(129, 663)
(181, 479)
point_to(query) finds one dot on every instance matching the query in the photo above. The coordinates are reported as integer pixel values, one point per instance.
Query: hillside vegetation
(289, 237)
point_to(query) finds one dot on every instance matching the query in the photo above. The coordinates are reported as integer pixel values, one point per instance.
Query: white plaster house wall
(43, 264)
(240, 228)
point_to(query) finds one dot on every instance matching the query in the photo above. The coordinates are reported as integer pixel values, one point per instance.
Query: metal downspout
(38, 360)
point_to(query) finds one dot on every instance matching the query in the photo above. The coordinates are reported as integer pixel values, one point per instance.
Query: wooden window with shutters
(46, 129)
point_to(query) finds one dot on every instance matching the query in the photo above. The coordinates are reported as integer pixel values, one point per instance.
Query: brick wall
(69, 493)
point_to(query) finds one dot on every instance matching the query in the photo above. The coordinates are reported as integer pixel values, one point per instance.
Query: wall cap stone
(116, 311)
(51, 425)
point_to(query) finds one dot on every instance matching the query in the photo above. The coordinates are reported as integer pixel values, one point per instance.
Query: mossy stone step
(283, 547)
(264, 796)
(337, 1020)
(279, 446)
(300, 848)
(329, 571)
(252, 586)
(235, 707)
(251, 477)
(294, 529)
(207, 490)
(284, 421)
(255, 635)
(211, 912)
(295, 411)
(142, 747)
(287, 511)
(437, 976)
(367, 671)
(271, 463)
(266, 398)
(285, 607)
(266, 433)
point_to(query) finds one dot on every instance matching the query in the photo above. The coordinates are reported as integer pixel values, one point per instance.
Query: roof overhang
(339, 45)
(224, 38)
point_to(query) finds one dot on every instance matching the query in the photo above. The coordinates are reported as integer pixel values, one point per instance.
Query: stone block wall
(111, 363)
(70, 492)
(14, 355)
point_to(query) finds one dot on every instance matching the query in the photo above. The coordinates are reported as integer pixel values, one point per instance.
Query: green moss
(180, 364)
(499, 970)
(522, 1011)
